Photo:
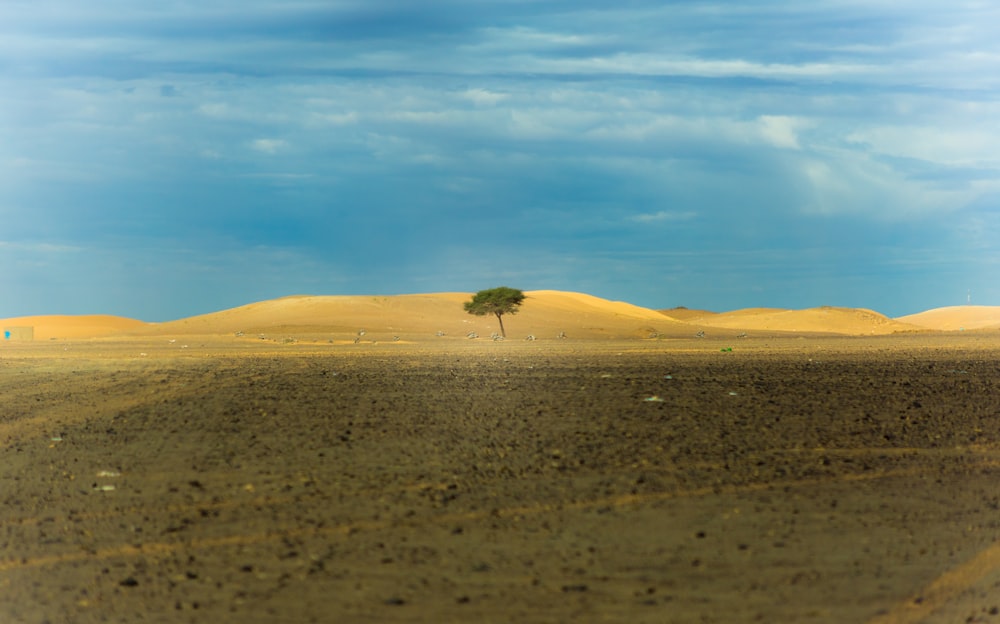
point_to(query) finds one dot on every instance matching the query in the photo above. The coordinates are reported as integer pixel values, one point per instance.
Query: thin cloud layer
(170, 159)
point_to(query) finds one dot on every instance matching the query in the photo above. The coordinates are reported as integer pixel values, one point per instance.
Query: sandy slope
(324, 314)
(544, 314)
(956, 317)
(547, 312)
(48, 327)
(846, 321)
(685, 314)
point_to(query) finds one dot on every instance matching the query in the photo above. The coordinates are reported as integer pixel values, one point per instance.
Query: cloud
(657, 65)
(780, 130)
(214, 109)
(337, 119)
(38, 247)
(851, 183)
(951, 142)
(484, 97)
(519, 39)
(662, 216)
(269, 146)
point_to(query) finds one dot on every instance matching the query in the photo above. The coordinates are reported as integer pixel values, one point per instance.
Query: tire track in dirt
(989, 458)
(161, 549)
(108, 392)
(943, 590)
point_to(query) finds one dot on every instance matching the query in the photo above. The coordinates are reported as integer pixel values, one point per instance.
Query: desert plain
(361, 459)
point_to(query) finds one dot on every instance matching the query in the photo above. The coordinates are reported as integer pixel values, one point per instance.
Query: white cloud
(520, 38)
(643, 126)
(337, 119)
(278, 176)
(484, 97)
(269, 146)
(780, 131)
(843, 182)
(662, 65)
(214, 109)
(38, 247)
(662, 216)
(952, 143)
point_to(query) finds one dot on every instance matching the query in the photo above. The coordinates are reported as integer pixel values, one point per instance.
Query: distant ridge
(545, 314)
(826, 319)
(954, 318)
(684, 314)
(51, 326)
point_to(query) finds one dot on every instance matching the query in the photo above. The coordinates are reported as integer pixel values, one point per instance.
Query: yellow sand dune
(48, 327)
(545, 314)
(684, 314)
(826, 319)
(953, 318)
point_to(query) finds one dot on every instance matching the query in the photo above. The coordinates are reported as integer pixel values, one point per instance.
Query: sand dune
(48, 327)
(325, 314)
(545, 314)
(685, 314)
(956, 317)
(833, 320)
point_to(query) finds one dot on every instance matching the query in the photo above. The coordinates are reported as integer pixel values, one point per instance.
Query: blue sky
(164, 159)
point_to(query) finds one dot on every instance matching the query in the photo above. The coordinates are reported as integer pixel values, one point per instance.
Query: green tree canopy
(496, 301)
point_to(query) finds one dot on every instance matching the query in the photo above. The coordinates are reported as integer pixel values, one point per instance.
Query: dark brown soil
(810, 480)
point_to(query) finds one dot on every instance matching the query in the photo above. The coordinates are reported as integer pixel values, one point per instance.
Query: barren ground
(786, 480)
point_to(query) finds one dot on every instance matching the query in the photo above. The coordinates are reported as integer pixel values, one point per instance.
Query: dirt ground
(809, 479)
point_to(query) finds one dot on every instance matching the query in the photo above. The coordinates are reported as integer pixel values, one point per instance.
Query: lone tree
(496, 301)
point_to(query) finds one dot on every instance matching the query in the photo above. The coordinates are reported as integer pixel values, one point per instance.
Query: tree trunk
(500, 318)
